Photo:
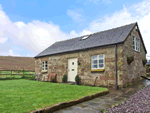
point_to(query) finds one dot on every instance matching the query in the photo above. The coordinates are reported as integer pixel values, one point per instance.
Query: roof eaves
(130, 31)
(141, 39)
(136, 24)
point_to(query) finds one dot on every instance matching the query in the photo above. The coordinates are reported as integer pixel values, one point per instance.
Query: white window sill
(44, 71)
(136, 51)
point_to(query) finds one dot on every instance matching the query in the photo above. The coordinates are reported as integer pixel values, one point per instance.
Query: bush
(64, 79)
(130, 59)
(77, 79)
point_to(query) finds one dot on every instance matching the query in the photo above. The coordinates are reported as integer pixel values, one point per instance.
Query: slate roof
(108, 37)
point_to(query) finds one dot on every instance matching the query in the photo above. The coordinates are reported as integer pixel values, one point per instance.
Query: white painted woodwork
(72, 69)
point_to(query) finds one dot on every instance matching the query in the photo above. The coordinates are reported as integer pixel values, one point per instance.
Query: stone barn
(112, 57)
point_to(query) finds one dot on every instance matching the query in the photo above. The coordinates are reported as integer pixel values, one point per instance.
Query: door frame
(68, 66)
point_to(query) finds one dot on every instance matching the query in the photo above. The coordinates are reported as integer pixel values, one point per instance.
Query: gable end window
(136, 43)
(44, 65)
(97, 62)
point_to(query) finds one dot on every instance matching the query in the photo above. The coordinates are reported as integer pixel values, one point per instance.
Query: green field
(18, 96)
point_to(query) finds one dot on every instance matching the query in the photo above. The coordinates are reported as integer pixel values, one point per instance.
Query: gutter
(116, 75)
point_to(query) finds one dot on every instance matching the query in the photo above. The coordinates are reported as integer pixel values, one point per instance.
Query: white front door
(72, 69)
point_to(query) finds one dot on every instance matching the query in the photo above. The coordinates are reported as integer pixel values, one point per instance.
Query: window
(44, 65)
(97, 62)
(85, 37)
(136, 44)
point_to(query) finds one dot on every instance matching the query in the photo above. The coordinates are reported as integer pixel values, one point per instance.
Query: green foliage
(105, 111)
(77, 79)
(130, 59)
(21, 96)
(64, 79)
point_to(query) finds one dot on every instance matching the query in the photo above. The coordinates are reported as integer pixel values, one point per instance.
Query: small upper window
(136, 43)
(85, 37)
(136, 27)
(97, 62)
(44, 65)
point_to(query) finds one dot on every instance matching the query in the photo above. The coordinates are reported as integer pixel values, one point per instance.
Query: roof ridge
(98, 32)
(113, 28)
(67, 39)
(74, 38)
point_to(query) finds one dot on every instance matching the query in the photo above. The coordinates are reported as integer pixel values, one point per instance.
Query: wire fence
(16, 74)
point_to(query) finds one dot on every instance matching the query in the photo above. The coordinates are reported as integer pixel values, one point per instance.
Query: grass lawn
(19, 96)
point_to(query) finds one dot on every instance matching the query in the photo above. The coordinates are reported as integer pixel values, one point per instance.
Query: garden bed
(24, 95)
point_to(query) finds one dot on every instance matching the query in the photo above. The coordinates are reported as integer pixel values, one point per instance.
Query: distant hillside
(17, 63)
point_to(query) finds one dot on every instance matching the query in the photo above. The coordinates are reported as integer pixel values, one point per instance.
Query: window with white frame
(97, 62)
(136, 43)
(44, 65)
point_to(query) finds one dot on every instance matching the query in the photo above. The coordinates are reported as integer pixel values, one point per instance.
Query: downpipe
(117, 87)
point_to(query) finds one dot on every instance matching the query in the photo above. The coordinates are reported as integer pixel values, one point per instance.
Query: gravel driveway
(137, 103)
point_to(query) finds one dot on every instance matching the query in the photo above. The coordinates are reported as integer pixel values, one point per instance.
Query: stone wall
(58, 64)
(133, 71)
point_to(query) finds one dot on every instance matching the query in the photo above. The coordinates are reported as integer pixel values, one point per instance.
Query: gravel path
(137, 103)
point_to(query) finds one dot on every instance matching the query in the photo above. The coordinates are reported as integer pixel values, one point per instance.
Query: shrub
(77, 79)
(130, 59)
(64, 79)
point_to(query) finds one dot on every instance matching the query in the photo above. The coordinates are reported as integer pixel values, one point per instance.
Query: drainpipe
(117, 87)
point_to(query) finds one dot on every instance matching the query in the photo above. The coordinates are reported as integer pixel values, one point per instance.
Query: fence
(12, 73)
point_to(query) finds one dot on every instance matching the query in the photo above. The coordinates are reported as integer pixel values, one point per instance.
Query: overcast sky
(28, 27)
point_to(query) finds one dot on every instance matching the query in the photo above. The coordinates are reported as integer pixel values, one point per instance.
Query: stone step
(71, 83)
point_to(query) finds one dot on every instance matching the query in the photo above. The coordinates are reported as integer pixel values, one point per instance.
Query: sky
(30, 26)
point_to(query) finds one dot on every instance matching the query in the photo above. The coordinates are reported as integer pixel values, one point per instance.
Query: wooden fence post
(23, 72)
